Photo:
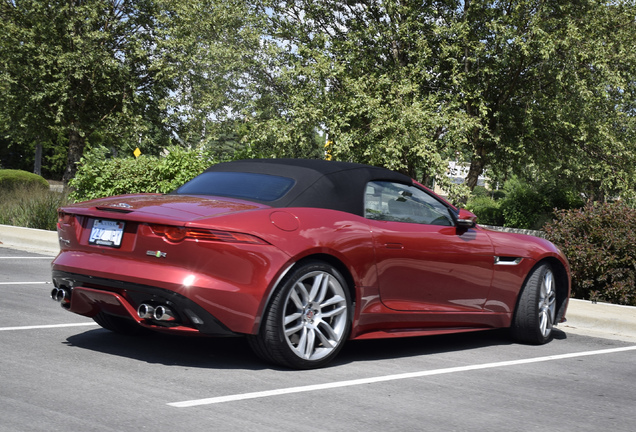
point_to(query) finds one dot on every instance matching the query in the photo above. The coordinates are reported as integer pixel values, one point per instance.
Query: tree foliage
(120, 73)
(537, 88)
(516, 86)
(73, 68)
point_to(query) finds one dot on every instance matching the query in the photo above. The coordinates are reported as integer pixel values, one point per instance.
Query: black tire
(118, 324)
(307, 321)
(534, 317)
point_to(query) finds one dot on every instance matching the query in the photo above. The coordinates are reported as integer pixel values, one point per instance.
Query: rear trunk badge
(157, 254)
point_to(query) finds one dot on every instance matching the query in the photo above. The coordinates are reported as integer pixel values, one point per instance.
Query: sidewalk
(583, 317)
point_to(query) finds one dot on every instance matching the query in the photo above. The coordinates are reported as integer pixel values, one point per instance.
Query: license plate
(106, 233)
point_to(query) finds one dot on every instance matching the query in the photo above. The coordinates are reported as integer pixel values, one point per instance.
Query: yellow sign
(328, 150)
(137, 152)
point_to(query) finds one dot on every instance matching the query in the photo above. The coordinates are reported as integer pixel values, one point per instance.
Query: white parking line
(49, 326)
(338, 384)
(25, 283)
(28, 257)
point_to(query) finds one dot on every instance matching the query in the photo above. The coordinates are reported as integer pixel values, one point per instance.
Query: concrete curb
(32, 240)
(601, 319)
(583, 317)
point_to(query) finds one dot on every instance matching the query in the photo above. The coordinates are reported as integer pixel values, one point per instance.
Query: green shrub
(11, 179)
(600, 243)
(30, 206)
(486, 209)
(522, 204)
(98, 176)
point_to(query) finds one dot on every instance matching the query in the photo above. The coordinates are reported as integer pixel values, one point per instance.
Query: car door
(424, 262)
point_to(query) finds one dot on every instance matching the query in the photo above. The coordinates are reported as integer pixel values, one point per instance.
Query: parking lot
(60, 371)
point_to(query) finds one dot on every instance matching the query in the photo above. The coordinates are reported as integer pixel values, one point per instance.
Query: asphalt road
(61, 372)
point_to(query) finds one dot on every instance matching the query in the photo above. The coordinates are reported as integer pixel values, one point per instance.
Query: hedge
(599, 241)
(11, 179)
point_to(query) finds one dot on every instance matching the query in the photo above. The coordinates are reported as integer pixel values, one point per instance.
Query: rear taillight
(172, 233)
(177, 234)
(64, 218)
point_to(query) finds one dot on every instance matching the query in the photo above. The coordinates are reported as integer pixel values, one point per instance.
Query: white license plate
(106, 233)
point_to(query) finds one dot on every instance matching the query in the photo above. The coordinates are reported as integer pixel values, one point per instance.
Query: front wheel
(536, 309)
(307, 322)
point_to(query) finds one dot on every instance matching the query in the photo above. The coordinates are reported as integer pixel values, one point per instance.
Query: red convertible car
(300, 256)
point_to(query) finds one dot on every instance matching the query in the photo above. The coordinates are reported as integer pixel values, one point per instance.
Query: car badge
(157, 254)
(122, 205)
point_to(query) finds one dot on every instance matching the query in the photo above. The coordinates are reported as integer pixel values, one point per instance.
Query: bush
(525, 206)
(30, 206)
(599, 241)
(521, 204)
(11, 179)
(487, 210)
(98, 176)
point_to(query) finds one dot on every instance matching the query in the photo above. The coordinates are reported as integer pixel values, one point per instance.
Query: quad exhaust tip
(60, 295)
(159, 313)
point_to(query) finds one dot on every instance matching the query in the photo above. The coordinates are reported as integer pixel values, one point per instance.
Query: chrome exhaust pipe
(164, 313)
(60, 295)
(145, 311)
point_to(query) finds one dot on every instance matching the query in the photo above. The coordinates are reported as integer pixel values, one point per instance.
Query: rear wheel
(118, 324)
(536, 309)
(307, 322)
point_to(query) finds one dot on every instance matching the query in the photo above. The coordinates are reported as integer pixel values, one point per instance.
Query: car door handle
(397, 246)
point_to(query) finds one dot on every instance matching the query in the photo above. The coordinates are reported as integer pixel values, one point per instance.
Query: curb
(32, 240)
(583, 317)
(601, 319)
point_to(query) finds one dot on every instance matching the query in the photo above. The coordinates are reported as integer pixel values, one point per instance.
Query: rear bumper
(89, 295)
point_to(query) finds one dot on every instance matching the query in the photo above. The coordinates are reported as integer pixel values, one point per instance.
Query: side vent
(510, 261)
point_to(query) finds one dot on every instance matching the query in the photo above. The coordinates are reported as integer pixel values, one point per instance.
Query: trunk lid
(160, 208)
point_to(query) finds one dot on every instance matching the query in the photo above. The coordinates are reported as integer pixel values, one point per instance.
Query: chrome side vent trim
(510, 261)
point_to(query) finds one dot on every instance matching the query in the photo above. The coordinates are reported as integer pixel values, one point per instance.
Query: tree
(207, 49)
(530, 87)
(368, 73)
(76, 68)
(552, 86)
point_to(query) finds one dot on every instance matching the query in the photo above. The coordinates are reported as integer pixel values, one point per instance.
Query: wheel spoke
(545, 322)
(310, 344)
(328, 336)
(291, 318)
(294, 297)
(293, 330)
(302, 341)
(334, 312)
(336, 299)
(319, 287)
(323, 289)
(547, 303)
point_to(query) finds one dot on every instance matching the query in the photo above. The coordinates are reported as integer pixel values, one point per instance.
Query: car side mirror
(466, 219)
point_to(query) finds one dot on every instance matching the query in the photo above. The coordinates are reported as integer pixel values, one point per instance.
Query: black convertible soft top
(317, 183)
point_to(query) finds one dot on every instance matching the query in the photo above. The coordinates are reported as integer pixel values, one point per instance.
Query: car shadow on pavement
(383, 349)
(235, 353)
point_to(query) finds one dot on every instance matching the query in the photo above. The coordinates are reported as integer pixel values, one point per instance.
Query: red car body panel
(406, 279)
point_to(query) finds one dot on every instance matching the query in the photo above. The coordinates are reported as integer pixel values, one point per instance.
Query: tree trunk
(477, 165)
(76, 145)
(37, 165)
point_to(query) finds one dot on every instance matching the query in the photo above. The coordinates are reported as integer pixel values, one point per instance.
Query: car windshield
(250, 186)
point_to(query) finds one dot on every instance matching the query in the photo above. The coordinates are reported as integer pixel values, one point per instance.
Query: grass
(31, 207)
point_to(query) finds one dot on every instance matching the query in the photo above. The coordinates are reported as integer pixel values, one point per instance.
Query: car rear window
(250, 186)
